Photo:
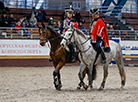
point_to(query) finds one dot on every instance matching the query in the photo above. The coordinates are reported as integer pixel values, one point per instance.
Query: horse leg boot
(56, 82)
(56, 75)
(59, 81)
(71, 48)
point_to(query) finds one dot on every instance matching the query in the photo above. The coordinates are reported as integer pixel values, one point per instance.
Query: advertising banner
(129, 47)
(23, 48)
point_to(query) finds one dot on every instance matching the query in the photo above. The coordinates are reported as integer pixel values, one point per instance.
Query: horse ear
(43, 25)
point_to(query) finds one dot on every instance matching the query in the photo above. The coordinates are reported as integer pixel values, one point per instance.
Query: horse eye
(69, 34)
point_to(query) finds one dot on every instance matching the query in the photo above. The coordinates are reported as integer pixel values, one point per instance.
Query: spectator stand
(57, 16)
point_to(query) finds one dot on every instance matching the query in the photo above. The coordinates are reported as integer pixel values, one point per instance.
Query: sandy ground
(35, 84)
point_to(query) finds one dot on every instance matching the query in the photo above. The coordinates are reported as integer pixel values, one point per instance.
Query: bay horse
(88, 55)
(58, 54)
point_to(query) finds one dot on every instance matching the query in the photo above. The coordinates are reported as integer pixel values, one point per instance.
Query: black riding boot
(73, 56)
(99, 50)
(71, 48)
(103, 57)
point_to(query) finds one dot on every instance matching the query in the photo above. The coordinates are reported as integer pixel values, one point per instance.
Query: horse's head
(68, 37)
(44, 34)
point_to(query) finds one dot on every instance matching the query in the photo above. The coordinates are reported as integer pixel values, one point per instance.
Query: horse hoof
(58, 87)
(100, 89)
(88, 89)
(122, 87)
(85, 87)
(78, 87)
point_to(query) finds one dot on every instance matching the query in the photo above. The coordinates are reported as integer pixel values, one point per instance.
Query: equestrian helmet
(94, 11)
(70, 9)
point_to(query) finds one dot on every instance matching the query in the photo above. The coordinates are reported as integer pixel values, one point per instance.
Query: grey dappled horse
(87, 56)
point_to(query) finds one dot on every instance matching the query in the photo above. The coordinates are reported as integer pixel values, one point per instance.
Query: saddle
(106, 50)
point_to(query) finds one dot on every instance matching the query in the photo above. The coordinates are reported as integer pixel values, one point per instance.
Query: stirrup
(73, 60)
(103, 61)
(50, 59)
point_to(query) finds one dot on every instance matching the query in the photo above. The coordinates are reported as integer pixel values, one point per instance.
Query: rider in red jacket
(98, 34)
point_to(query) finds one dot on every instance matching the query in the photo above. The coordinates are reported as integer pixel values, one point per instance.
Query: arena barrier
(129, 52)
(28, 52)
(24, 53)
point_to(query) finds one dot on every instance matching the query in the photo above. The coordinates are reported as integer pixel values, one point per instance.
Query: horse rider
(64, 27)
(98, 34)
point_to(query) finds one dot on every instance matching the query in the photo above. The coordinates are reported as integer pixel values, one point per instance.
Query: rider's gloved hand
(58, 32)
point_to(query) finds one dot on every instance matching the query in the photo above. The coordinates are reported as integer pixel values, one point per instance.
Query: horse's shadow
(78, 90)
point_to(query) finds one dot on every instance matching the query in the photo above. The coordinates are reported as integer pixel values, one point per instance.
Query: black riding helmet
(94, 11)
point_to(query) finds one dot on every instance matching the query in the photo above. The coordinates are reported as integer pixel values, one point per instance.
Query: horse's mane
(81, 33)
(53, 31)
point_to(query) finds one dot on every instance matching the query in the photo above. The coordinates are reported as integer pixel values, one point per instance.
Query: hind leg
(120, 65)
(105, 68)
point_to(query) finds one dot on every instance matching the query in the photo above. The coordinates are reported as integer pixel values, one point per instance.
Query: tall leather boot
(71, 48)
(73, 56)
(103, 57)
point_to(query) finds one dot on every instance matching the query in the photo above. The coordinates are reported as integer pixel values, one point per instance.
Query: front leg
(90, 76)
(57, 80)
(81, 74)
(56, 76)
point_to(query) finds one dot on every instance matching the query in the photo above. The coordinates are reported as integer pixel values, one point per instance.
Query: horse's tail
(94, 72)
(120, 63)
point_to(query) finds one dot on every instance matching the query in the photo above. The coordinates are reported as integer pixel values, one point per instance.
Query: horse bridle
(69, 40)
(47, 34)
(72, 36)
(46, 39)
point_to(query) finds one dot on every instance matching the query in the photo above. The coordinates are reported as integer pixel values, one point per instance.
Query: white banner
(129, 47)
(22, 48)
